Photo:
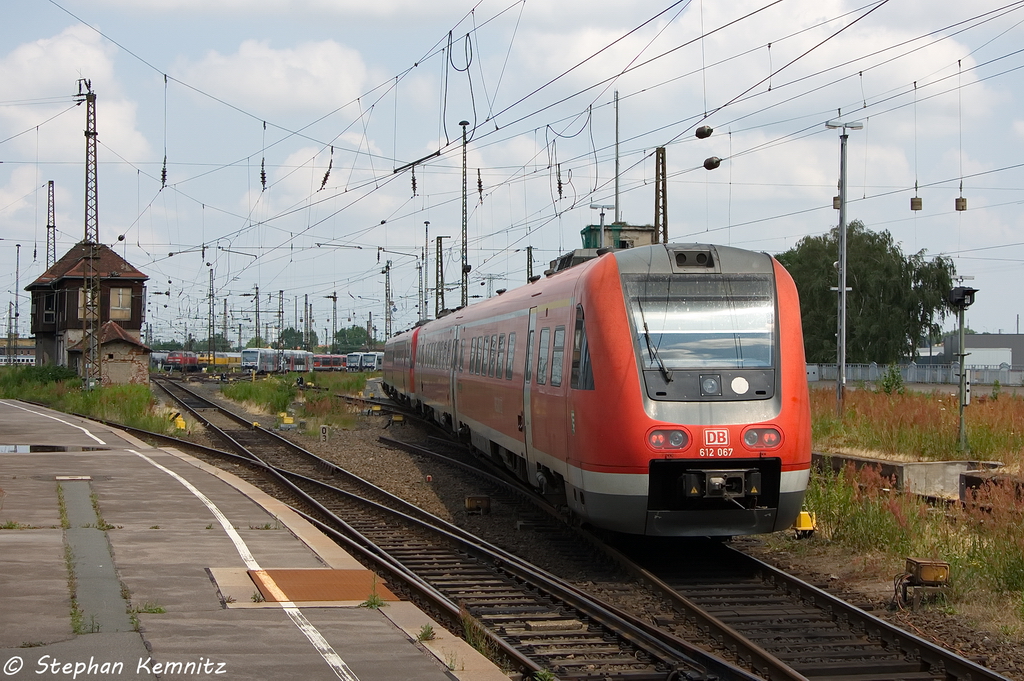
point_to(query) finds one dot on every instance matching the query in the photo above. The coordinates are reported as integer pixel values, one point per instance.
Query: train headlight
(762, 438)
(710, 384)
(668, 439)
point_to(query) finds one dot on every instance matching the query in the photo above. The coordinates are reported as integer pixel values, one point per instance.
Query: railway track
(773, 623)
(531, 618)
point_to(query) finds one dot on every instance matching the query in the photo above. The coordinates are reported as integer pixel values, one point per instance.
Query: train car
(260, 360)
(18, 360)
(328, 362)
(222, 361)
(371, 361)
(353, 361)
(181, 360)
(157, 359)
(296, 360)
(658, 390)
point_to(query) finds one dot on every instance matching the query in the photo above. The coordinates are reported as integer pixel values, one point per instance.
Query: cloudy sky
(329, 98)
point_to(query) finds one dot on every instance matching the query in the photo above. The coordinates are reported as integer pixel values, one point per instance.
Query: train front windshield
(685, 321)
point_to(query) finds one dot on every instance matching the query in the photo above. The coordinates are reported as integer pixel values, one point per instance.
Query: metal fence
(920, 373)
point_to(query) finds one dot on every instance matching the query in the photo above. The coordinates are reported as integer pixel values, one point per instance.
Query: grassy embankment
(280, 394)
(858, 514)
(61, 389)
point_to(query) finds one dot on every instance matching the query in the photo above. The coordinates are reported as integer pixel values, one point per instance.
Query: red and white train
(658, 390)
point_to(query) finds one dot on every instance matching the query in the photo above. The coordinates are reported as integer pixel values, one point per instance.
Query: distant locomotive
(658, 390)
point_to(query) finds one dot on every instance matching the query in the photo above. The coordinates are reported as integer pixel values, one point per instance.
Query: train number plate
(715, 451)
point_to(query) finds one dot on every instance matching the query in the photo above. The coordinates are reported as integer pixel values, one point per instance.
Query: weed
(892, 380)
(150, 608)
(374, 601)
(154, 527)
(13, 525)
(210, 526)
(62, 507)
(426, 633)
(544, 675)
(265, 526)
(31, 644)
(257, 597)
(451, 660)
(229, 599)
(475, 634)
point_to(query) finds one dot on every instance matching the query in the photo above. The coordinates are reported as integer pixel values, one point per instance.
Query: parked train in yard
(658, 390)
(269, 360)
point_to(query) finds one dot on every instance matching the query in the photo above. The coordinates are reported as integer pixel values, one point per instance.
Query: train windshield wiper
(652, 350)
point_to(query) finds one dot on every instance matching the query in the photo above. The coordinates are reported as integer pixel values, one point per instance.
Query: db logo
(716, 437)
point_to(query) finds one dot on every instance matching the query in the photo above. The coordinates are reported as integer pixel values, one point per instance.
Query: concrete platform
(159, 550)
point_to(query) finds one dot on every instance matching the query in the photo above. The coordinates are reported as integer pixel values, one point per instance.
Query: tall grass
(274, 393)
(922, 425)
(61, 389)
(982, 540)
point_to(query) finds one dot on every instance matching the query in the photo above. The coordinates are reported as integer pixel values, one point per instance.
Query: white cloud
(312, 76)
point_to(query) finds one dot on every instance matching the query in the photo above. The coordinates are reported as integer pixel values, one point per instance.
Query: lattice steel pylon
(660, 196)
(92, 370)
(51, 227)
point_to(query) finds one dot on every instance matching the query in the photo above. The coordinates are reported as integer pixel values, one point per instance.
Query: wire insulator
(163, 174)
(263, 173)
(414, 180)
(558, 178)
(480, 185)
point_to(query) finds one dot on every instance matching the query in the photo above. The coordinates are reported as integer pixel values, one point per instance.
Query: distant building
(986, 349)
(58, 307)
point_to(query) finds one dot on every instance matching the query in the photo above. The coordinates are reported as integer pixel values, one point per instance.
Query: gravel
(436, 489)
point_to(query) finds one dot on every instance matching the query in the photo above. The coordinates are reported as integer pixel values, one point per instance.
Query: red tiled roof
(109, 332)
(72, 266)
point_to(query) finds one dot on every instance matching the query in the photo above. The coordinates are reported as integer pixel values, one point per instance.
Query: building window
(93, 309)
(49, 308)
(121, 303)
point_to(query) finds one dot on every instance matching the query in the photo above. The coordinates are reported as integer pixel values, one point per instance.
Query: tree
(896, 301)
(350, 339)
(165, 345)
(220, 344)
(291, 338)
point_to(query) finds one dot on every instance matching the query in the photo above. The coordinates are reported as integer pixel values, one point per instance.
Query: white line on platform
(305, 626)
(9, 403)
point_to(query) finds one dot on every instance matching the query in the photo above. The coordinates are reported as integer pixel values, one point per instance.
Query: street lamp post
(841, 323)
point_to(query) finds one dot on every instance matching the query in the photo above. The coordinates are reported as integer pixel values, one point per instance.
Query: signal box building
(58, 308)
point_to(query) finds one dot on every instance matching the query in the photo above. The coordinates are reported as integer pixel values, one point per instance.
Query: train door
(455, 366)
(525, 419)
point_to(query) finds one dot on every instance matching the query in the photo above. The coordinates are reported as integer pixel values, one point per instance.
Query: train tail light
(666, 439)
(762, 438)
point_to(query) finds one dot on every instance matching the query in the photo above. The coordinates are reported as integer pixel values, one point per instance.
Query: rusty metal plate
(319, 585)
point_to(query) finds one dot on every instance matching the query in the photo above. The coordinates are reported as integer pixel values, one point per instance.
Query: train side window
(529, 356)
(500, 362)
(557, 353)
(462, 354)
(472, 355)
(492, 355)
(487, 353)
(476, 355)
(582, 375)
(511, 355)
(542, 355)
